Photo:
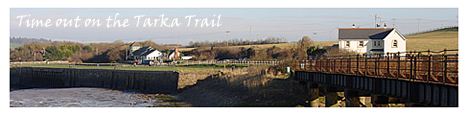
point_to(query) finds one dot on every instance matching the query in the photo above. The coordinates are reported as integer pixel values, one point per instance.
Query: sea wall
(145, 81)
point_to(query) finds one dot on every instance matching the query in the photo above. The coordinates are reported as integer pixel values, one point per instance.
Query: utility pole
(126, 54)
(393, 22)
(375, 19)
(418, 24)
(250, 32)
(227, 38)
(257, 38)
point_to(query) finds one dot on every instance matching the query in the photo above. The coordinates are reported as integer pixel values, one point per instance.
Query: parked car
(148, 62)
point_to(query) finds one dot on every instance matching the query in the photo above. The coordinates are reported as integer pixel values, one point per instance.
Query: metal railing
(419, 66)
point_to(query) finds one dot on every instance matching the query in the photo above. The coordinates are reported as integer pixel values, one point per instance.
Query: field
(435, 41)
(200, 67)
(282, 45)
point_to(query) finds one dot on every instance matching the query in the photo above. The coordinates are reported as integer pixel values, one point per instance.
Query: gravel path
(82, 97)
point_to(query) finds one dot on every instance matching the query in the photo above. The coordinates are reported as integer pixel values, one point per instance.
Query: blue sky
(291, 23)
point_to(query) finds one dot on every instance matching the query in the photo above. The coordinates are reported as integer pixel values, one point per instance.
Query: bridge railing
(420, 66)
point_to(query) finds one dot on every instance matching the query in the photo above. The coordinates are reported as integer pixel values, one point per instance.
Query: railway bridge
(424, 78)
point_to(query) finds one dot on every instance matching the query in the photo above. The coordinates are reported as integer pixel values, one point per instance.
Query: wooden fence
(251, 62)
(423, 66)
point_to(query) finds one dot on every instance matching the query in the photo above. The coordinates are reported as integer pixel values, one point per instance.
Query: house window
(375, 43)
(395, 43)
(378, 43)
(361, 43)
(347, 44)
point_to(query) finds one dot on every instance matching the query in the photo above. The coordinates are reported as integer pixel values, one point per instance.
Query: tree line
(237, 42)
(20, 40)
(78, 52)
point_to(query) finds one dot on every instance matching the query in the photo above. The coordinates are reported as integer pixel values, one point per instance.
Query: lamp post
(227, 38)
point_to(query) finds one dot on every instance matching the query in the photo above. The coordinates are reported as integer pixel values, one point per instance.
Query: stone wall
(146, 81)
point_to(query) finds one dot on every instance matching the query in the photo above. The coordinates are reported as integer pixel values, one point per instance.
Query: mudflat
(83, 97)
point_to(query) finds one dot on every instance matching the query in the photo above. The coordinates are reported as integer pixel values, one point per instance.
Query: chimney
(385, 26)
(176, 53)
(354, 26)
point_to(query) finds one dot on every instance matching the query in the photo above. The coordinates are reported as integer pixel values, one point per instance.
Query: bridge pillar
(331, 97)
(352, 98)
(314, 91)
(379, 101)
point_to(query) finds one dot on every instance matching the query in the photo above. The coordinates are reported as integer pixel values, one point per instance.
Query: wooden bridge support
(331, 97)
(379, 101)
(352, 98)
(383, 90)
(314, 91)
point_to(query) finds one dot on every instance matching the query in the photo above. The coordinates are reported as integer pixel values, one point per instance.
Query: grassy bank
(435, 41)
(200, 67)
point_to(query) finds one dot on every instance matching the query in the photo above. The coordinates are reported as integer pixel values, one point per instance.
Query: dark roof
(366, 33)
(143, 50)
(170, 51)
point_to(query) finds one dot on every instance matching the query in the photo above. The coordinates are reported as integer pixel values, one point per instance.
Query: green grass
(434, 41)
(200, 67)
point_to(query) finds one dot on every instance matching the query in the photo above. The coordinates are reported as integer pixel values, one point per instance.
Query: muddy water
(81, 97)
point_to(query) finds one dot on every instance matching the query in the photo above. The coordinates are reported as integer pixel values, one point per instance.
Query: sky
(291, 19)
(321, 24)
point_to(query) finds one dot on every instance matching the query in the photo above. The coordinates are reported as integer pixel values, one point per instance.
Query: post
(376, 65)
(320, 64)
(341, 63)
(445, 65)
(388, 65)
(411, 67)
(357, 64)
(349, 64)
(334, 63)
(365, 65)
(398, 72)
(429, 65)
(416, 66)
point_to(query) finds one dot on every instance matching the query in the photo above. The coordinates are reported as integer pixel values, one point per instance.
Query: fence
(252, 62)
(38, 62)
(434, 67)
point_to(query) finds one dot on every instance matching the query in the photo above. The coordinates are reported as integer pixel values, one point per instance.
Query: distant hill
(18, 41)
(436, 40)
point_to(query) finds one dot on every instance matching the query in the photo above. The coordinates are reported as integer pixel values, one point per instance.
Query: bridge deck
(413, 66)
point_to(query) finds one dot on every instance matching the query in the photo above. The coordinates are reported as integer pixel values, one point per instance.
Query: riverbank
(87, 97)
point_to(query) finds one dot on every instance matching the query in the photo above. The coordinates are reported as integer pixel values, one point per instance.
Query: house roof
(149, 52)
(363, 33)
(135, 44)
(170, 51)
(143, 50)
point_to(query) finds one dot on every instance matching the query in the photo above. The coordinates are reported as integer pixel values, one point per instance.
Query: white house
(371, 40)
(172, 54)
(147, 53)
(134, 47)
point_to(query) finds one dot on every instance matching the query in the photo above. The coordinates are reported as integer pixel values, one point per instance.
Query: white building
(147, 53)
(371, 40)
(172, 54)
